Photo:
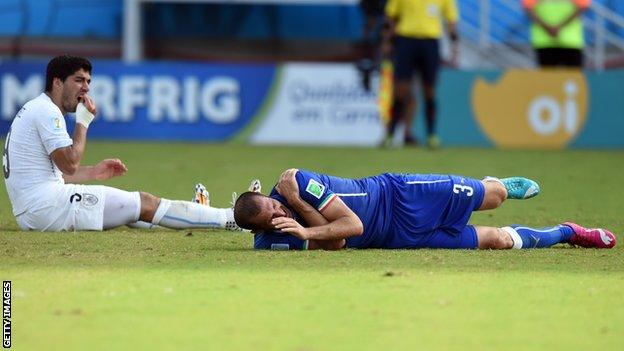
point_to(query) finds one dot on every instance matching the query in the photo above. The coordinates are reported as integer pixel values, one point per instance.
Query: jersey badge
(56, 124)
(315, 188)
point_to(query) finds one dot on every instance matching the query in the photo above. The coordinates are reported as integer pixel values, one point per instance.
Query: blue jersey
(396, 210)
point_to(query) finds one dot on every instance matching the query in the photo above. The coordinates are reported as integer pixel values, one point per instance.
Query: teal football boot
(520, 188)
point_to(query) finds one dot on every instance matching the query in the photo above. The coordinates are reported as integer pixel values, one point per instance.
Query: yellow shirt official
(421, 18)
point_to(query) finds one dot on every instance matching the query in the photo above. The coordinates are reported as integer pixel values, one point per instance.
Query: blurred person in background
(557, 31)
(414, 34)
(373, 11)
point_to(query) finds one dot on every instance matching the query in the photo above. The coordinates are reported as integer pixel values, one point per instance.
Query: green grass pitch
(170, 290)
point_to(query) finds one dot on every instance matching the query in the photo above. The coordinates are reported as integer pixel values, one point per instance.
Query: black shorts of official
(416, 55)
(559, 57)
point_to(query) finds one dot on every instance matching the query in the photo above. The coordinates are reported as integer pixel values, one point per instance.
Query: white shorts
(82, 207)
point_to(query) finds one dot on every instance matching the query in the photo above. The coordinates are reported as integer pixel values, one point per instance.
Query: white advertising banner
(321, 104)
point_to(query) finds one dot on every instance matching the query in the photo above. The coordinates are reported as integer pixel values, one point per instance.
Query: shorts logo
(89, 199)
(315, 188)
(86, 199)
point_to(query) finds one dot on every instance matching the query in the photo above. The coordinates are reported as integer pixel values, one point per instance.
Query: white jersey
(37, 130)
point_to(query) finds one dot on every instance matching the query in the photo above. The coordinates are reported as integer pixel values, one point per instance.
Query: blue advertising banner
(325, 104)
(155, 101)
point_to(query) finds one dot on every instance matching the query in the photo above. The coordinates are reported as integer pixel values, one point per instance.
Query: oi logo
(546, 114)
(539, 109)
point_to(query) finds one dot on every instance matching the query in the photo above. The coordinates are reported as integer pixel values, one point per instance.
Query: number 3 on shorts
(458, 188)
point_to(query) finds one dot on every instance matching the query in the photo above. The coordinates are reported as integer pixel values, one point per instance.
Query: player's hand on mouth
(88, 102)
(290, 226)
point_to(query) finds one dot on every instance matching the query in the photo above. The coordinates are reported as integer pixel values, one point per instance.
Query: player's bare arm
(343, 223)
(104, 170)
(68, 158)
(71, 96)
(288, 188)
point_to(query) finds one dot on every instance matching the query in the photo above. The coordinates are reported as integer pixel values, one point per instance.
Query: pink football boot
(591, 237)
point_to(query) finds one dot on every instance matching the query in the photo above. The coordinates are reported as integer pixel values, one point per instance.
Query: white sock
(494, 179)
(186, 214)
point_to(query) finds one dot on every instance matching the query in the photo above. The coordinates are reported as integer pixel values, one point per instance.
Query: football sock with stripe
(528, 238)
(186, 214)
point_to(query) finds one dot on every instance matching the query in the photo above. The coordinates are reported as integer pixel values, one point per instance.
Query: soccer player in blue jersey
(308, 210)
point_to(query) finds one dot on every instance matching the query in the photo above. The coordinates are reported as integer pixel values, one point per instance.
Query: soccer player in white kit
(43, 171)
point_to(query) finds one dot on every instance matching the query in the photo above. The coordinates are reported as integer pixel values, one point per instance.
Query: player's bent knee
(149, 204)
(495, 195)
(499, 192)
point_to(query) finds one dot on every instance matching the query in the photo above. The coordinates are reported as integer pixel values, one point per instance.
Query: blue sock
(541, 237)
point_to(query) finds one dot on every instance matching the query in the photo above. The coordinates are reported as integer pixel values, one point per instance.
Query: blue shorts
(421, 55)
(432, 211)
(444, 239)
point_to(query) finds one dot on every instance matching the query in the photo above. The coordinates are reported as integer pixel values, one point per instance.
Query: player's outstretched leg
(201, 197)
(521, 237)
(529, 238)
(184, 214)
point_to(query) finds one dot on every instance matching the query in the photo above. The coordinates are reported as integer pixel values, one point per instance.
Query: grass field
(171, 290)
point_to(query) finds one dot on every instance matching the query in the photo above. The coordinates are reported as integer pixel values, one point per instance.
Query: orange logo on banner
(532, 108)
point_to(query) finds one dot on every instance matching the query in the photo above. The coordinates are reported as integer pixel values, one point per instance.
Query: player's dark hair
(64, 66)
(246, 208)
